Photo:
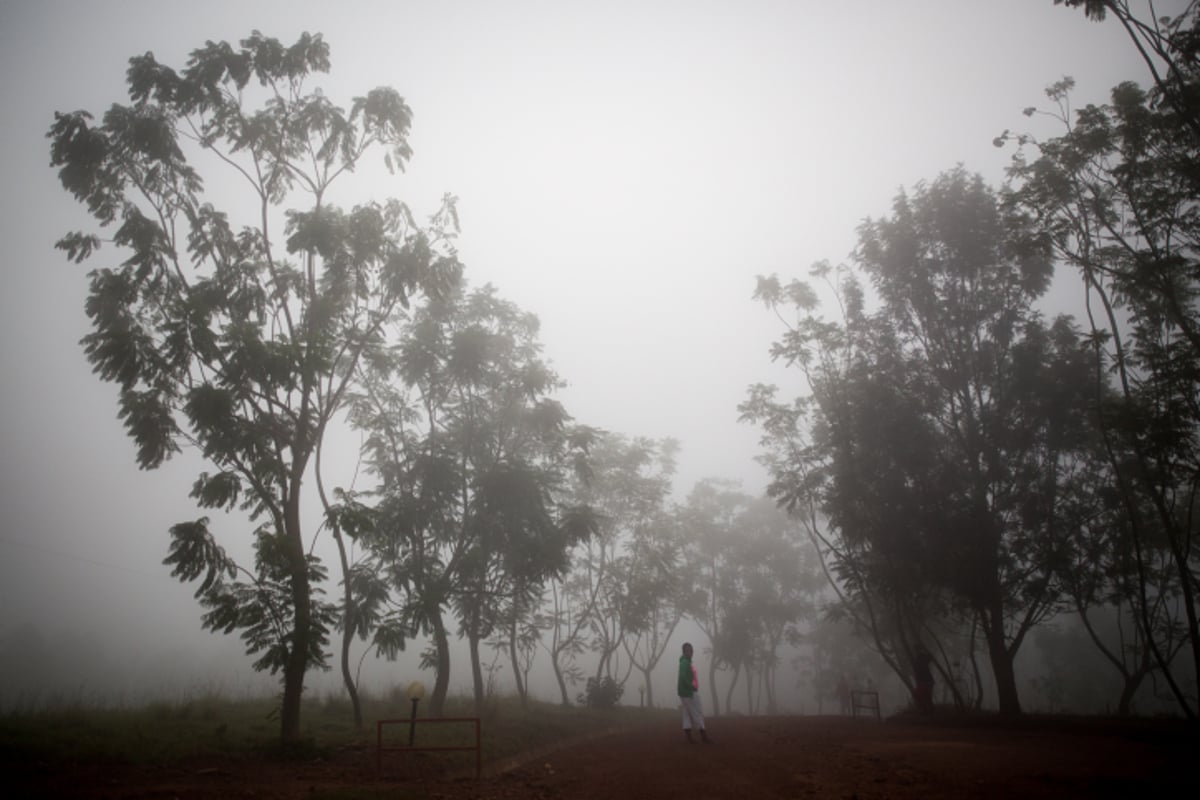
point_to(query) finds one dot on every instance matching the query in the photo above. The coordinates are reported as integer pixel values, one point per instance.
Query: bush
(603, 693)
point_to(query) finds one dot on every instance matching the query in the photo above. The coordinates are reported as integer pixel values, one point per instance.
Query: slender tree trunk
(347, 674)
(349, 621)
(649, 684)
(516, 662)
(767, 682)
(1128, 689)
(712, 686)
(978, 704)
(476, 669)
(296, 663)
(441, 680)
(1001, 660)
(1187, 580)
(737, 671)
(562, 681)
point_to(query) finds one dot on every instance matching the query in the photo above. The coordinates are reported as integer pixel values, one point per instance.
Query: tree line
(969, 468)
(959, 469)
(493, 516)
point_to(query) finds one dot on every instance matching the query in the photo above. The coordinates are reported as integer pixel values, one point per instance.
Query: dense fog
(623, 173)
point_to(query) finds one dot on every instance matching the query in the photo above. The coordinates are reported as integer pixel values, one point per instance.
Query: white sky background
(624, 171)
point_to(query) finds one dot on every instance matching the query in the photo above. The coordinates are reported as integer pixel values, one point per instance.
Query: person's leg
(698, 718)
(687, 717)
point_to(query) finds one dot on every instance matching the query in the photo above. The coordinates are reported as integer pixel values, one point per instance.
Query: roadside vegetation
(208, 725)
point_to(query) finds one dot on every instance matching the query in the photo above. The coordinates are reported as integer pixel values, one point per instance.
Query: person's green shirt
(686, 689)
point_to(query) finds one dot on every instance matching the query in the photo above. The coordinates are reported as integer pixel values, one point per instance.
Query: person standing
(689, 696)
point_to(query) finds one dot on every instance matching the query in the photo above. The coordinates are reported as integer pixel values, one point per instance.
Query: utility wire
(58, 553)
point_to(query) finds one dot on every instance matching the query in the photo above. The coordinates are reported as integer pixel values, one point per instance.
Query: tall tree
(473, 454)
(240, 341)
(709, 516)
(955, 409)
(1115, 195)
(780, 579)
(656, 594)
(629, 482)
(855, 464)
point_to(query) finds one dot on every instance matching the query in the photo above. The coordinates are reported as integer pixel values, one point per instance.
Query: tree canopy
(240, 337)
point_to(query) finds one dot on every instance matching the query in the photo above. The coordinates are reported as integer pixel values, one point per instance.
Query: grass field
(163, 733)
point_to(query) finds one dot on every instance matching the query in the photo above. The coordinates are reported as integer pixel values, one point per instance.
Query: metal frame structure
(865, 700)
(380, 749)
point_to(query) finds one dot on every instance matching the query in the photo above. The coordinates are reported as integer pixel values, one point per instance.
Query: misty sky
(624, 171)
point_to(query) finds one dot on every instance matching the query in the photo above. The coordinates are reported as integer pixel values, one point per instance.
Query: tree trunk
(712, 687)
(1001, 660)
(348, 676)
(1187, 579)
(562, 681)
(516, 662)
(441, 680)
(296, 663)
(476, 670)
(737, 671)
(349, 620)
(767, 684)
(1128, 689)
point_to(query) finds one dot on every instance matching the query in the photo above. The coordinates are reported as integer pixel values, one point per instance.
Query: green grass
(164, 733)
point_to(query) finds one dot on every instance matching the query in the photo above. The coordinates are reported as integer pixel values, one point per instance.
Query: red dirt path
(759, 757)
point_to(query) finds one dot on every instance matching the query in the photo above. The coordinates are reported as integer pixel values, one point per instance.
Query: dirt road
(759, 758)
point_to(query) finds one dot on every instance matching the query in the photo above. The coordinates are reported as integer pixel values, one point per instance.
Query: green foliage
(242, 342)
(602, 692)
(947, 441)
(471, 451)
(167, 733)
(1115, 196)
(746, 579)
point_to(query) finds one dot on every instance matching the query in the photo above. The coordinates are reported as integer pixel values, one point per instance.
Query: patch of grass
(163, 733)
(158, 733)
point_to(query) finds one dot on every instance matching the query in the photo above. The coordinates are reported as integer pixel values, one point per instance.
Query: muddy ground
(750, 757)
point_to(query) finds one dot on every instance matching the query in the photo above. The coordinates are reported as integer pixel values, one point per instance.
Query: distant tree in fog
(239, 337)
(753, 585)
(601, 601)
(473, 456)
(628, 488)
(882, 583)
(657, 588)
(709, 517)
(948, 427)
(780, 584)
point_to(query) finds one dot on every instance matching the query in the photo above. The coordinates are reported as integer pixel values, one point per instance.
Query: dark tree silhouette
(948, 424)
(1115, 195)
(240, 338)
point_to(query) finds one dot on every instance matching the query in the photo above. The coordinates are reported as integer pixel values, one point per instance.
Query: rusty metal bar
(380, 749)
(866, 701)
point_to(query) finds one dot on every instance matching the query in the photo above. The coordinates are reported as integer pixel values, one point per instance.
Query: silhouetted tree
(473, 455)
(656, 590)
(1115, 196)
(948, 423)
(1169, 47)
(240, 339)
(627, 488)
(709, 517)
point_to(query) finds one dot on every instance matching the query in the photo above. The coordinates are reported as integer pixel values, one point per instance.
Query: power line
(72, 556)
